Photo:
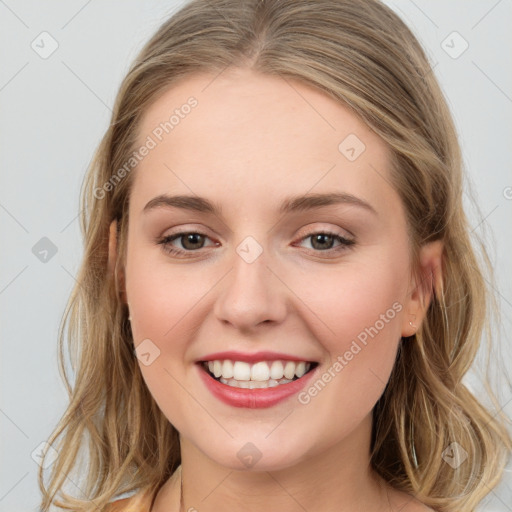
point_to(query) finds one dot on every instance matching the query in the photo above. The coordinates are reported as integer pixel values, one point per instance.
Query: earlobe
(428, 282)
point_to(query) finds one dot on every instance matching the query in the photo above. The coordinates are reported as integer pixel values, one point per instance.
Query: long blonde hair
(361, 54)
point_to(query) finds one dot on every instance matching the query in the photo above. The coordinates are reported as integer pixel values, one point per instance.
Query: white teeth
(289, 369)
(241, 370)
(276, 370)
(270, 372)
(253, 384)
(260, 371)
(227, 369)
(217, 368)
(300, 369)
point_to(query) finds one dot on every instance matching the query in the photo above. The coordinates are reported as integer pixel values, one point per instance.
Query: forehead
(214, 134)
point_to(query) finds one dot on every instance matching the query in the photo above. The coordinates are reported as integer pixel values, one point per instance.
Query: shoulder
(139, 502)
(417, 507)
(407, 503)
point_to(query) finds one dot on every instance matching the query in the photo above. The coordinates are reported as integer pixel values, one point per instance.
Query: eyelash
(345, 243)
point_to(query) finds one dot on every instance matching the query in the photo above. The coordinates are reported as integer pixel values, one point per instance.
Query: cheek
(161, 300)
(160, 296)
(351, 298)
(360, 307)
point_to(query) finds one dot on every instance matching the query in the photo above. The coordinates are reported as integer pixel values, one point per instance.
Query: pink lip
(251, 358)
(253, 398)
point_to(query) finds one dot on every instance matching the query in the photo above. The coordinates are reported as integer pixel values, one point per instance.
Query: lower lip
(253, 398)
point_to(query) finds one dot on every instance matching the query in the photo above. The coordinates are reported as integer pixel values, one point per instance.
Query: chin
(256, 455)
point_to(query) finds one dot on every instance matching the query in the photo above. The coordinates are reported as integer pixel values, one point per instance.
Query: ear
(427, 281)
(112, 259)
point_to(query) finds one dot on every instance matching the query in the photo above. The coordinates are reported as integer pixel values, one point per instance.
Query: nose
(250, 295)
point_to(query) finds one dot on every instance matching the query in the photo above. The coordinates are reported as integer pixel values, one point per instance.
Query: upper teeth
(260, 371)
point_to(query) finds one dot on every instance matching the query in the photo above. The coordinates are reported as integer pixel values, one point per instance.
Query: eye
(191, 241)
(322, 241)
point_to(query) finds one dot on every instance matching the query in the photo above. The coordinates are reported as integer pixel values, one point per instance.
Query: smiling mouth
(262, 374)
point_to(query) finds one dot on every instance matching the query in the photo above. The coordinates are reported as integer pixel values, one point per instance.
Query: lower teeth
(254, 384)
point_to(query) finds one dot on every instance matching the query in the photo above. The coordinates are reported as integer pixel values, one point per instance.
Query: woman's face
(261, 274)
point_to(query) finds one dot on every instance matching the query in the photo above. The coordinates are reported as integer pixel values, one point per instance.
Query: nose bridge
(251, 294)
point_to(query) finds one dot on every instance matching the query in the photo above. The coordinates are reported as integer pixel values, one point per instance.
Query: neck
(337, 479)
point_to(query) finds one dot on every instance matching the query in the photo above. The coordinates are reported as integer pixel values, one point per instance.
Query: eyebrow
(290, 205)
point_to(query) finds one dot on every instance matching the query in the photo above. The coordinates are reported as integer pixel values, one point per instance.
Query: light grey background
(54, 111)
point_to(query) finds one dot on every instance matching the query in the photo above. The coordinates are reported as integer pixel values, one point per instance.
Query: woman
(278, 298)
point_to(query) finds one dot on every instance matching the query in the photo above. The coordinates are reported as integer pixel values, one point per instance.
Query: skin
(251, 142)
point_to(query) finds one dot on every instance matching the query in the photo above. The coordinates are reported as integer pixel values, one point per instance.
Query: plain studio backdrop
(61, 66)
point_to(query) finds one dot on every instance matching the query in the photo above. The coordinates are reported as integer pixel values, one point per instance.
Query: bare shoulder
(417, 507)
(406, 503)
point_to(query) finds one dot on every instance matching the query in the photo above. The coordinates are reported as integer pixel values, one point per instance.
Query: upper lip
(233, 355)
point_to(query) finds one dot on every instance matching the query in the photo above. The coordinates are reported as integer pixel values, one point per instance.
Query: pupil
(192, 238)
(322, 237)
